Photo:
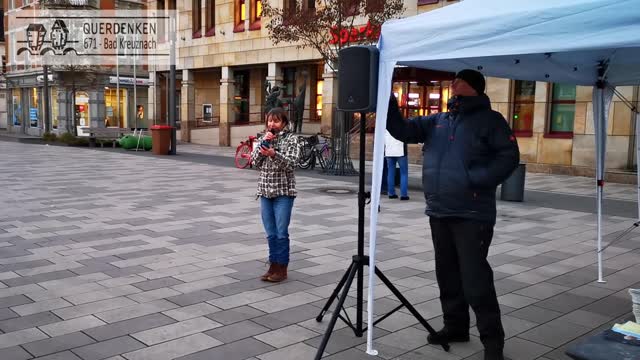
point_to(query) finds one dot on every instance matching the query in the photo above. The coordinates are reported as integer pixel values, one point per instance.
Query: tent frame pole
(634, 110)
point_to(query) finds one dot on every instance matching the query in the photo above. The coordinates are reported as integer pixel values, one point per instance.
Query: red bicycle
(243, 152)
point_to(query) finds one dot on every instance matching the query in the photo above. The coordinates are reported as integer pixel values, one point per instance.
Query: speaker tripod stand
(356, 270)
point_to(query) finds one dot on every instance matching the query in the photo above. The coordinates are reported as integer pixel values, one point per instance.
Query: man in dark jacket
(468, 151)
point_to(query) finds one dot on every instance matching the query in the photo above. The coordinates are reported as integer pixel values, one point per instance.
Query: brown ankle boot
(279, 274)
(269, 272)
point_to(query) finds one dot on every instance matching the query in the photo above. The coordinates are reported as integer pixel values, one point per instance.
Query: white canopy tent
(583, 42)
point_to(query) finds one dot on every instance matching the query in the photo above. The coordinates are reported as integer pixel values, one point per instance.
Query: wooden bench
(105, 133)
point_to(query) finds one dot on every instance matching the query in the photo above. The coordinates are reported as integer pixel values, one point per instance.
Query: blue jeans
(404, 175)
(383, 184)
(276, 215)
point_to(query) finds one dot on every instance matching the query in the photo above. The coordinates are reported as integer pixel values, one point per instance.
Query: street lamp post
(172, 86)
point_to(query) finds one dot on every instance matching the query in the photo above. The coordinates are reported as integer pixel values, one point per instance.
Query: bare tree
(328, 25)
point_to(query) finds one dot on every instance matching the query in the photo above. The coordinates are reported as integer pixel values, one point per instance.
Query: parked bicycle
(243, 152)
(315, 149)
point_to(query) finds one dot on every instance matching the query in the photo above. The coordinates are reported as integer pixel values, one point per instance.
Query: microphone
(267, 143)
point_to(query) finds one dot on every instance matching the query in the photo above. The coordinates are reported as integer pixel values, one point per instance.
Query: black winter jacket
(467, 154)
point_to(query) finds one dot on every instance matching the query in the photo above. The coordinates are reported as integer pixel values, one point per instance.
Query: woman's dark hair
(278, 113)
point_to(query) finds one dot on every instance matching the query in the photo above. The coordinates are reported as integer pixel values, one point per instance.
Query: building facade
(79, 97)
(227, 65)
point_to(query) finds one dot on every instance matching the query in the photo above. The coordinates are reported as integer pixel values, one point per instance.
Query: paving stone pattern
(111, 255)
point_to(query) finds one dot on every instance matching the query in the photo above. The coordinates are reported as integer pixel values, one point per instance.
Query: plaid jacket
(276, 174)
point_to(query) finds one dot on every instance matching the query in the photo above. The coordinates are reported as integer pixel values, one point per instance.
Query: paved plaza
(115, 255)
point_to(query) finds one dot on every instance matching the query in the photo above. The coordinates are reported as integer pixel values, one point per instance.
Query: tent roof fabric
(544, 40)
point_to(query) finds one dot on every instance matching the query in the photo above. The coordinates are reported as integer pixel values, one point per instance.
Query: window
(34, 107)
(1, 25)
(54, 108)
(256, 14)
(319, 88)
(210, 18)
(16, 107)
(289, 7)
(288, 82)
(309, 5)
(240, 15)
(115, 111)
(196, 15)
(351, 7)
(289, 11)
(421, 98)
(523, 104)
(241, 97)
(563, 110)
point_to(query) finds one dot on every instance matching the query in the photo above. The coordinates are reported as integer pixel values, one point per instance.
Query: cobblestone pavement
(109, 255)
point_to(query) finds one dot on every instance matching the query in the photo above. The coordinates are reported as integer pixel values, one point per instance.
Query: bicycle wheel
(307, 161)
(321, 161)
(243, 155)
(327, 154)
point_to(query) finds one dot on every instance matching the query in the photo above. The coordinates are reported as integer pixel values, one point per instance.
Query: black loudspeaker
(358, 78)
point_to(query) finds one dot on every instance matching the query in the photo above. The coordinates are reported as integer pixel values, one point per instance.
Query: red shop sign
(354, 35)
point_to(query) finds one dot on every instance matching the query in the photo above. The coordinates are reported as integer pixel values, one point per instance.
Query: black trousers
(465, 277)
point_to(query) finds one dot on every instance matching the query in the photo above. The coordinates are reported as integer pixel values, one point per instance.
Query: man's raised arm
(411, 131)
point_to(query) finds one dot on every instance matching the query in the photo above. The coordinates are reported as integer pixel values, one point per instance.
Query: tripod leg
(335, 293)
(408, 305)
(334, 317)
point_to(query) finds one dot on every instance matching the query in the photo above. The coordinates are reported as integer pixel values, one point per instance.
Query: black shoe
(493, 354)
(448, 336)
(404, 198)
(393, 196)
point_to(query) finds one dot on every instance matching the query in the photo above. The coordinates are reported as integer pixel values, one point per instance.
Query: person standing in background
(395, 152)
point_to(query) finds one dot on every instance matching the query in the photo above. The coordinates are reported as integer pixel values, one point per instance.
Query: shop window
(256, 14)
(240, 15)
(82, 109)
(319, 88)
(524, 93)
(196, 18)
(563, 111)
(34, 107)
(116, 111)
(210, 18)
(241, 97)
(16, 108)
(421, 99)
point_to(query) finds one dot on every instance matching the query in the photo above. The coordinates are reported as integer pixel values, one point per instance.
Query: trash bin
(513, 188)
(161, 139)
